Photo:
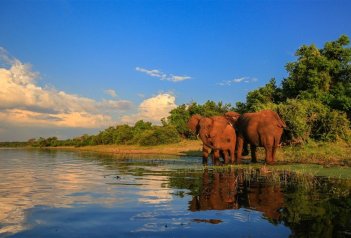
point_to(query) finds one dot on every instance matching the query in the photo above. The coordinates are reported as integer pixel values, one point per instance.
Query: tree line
(314, 100)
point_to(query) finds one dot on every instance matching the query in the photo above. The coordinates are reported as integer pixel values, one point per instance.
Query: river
(53, 193)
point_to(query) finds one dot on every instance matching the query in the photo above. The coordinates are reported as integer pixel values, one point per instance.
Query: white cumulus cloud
(162, 76)
(153, 109)
(24, 102)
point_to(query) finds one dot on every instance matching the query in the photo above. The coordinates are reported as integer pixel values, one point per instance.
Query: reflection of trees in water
(318, 207)
(310, 206)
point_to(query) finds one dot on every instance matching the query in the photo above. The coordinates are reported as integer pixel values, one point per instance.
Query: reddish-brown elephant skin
(268, 199)
(259, 129)
(218, 192)
(202, 132)
(216, 133)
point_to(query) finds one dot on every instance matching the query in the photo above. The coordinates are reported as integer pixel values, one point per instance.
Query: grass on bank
(183, 148)
(325, 153)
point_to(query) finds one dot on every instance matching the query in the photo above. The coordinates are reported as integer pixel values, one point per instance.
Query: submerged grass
(299, 169)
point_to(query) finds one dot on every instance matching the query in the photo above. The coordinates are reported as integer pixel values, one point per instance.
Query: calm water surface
(70, 194)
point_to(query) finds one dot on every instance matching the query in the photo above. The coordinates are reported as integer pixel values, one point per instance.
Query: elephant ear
(193, 123)
(232, 117)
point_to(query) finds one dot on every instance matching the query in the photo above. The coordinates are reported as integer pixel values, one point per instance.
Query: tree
(322, 74)
(339, 56)
(269, 93)
(309, 76)
(122, 134)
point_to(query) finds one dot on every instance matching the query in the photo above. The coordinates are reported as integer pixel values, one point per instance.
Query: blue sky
(139, 59)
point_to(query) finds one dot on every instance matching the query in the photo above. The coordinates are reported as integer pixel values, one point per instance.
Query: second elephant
(259, 129)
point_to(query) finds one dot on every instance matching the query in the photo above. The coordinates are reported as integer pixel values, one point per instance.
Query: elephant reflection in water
(217, 193)
(230, 190)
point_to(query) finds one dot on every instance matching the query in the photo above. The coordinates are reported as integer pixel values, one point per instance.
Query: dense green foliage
(142, 133)
(322, 74)
(314, 100)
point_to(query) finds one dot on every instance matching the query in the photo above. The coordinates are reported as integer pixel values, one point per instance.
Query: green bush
(301, 117)
(122, 134)
(159, 135)
(332, 126)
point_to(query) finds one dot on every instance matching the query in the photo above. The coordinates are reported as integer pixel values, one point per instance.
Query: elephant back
(273, 116)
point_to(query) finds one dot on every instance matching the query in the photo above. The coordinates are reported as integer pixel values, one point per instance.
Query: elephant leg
(215, 158)
(222, 154)
(226, 157)
(274, 149)
(253, 153)
(268, 146)
(240, 143)
(246, 149)
(269, 152)
(232, 156)
(205, 154)
(275, 145)
(232, 151)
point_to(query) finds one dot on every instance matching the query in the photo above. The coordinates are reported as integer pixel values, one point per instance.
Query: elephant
(223, 139)
(217, 134)
(259, 129)
(202, 132)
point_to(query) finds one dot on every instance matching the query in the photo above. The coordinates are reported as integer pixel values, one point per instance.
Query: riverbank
(323, 153)
(183, 148)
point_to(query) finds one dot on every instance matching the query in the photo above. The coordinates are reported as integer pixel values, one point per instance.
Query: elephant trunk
(211, 143)
(206, 142)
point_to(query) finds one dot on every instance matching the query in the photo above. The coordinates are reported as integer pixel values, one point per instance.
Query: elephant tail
(281, 123)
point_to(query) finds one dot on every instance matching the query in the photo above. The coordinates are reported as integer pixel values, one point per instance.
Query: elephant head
(232, 117)
(202, 127)
(194, 123)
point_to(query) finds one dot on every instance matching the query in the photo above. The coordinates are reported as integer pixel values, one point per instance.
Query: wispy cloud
(237, 80)
(162, 76)
(111, 92)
